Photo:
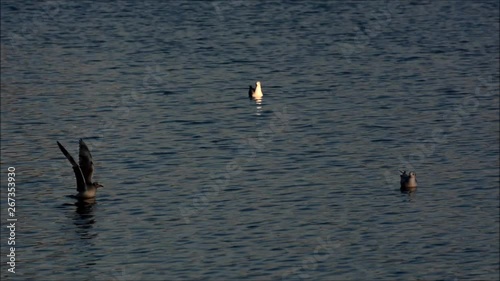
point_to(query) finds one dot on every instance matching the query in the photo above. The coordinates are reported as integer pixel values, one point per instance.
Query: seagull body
(408, 181)
(83, 171)
(255, 93)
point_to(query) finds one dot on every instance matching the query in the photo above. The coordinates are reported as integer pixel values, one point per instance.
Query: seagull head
(412, 175)
(257, 83)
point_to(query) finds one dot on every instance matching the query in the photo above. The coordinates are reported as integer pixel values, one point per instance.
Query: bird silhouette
(83, 171)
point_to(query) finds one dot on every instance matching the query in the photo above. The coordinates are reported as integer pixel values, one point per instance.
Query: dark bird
(408, 181)
(83, 171)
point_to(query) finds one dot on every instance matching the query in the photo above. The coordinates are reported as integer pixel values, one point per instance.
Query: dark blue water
(202, 184)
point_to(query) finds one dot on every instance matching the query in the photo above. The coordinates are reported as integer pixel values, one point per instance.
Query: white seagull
(255, 93)
(83, 171)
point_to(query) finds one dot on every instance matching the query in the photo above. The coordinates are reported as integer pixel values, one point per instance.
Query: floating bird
(83, 171)
(408, 181)
(255, 93)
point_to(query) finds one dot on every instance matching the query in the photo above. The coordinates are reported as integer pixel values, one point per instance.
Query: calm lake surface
(200, 183)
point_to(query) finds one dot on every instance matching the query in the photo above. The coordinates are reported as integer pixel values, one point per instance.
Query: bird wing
(85, 161)
(80, 180)
(251, 90)
(404, 177)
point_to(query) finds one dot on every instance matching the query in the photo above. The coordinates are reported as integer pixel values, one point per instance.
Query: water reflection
(84, 218)
(85, 207)
(258, 107)
(410, 194)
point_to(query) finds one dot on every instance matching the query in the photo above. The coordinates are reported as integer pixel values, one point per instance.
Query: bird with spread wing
(83, 171)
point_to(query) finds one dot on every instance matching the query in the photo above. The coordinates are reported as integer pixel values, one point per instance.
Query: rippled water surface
(201, 183)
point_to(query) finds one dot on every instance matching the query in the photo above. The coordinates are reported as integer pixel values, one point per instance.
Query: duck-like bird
(83, 171)
(408, 181)
(255, 93)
